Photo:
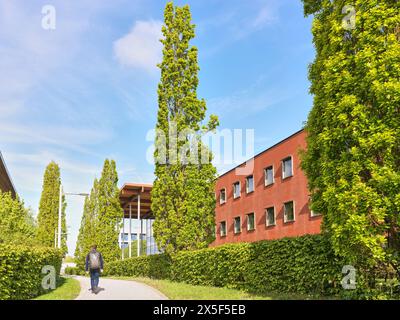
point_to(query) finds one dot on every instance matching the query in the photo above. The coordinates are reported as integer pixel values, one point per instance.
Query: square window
(270, 216)
(315, 214)
(222, 196)
(223, 229)
(237, 225)
(236, 190)
(287, 168)
(289, 211)
(251, 222)
(249, 184)
(269, 176)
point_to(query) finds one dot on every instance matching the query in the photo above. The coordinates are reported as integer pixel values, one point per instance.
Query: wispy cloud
(141, 47)
(254, 98)
(239, 22)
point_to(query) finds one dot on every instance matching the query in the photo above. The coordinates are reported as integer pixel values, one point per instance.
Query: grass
(67, 289)
(183, 291)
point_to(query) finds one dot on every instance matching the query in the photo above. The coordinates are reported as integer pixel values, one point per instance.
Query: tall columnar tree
(353, 157)
(102, 216)
(87, 232)
(183, 193)
(108, 213)
(48, 209)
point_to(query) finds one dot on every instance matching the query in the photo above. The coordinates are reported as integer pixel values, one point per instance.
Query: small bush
(21, 270)
(73, 271)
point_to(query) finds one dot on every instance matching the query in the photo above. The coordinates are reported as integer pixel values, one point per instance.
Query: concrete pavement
(118, 290)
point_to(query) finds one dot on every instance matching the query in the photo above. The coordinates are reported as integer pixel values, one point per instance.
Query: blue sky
(86, 91)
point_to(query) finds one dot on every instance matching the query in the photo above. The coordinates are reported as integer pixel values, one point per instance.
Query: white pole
(123, 237)
(130, 231)
(138, 226)
(59, 218)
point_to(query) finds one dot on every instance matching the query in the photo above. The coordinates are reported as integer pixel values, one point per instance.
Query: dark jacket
(87, 260)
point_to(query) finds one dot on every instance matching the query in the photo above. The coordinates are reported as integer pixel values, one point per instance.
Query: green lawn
(67, 289)
(183, 291)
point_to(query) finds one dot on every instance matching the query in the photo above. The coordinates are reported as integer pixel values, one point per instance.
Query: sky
(86, 90)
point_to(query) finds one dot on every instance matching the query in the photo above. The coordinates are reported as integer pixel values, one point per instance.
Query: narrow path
(118, 290)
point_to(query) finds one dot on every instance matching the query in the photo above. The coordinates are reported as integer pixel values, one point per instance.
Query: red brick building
(269, 203)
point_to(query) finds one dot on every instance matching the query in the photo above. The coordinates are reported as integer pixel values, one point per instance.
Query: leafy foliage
(183, 192)
(48, 209)
(101, 218)
(353, 156)
(17, 225)
(296, 265)
(20, 270)
(154, 266)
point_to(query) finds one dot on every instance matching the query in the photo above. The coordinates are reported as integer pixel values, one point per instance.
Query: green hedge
(155, 266)
(73, 271)
(302, 265)
(20, 270)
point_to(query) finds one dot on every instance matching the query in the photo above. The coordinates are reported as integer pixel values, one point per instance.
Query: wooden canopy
(130, 194)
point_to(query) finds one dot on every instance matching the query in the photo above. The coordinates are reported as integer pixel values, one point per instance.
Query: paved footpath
(118, 290)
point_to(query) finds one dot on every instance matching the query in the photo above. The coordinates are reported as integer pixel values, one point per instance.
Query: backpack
(94, 260)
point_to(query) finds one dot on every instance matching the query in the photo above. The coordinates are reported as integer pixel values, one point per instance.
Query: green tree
(48, 209)
(87, 230)
(183, 193)
(17, 225)
(108, 213)
(353, 156)
(102, 217)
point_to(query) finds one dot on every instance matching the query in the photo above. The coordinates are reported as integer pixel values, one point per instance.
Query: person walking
(94, 265)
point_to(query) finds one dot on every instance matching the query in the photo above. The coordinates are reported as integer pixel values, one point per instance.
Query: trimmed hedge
(155, 266)
(20, 270)
(296, 265)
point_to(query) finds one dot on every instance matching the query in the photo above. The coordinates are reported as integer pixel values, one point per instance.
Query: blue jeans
(94, 278)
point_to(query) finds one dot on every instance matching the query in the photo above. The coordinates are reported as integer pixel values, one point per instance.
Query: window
(315, 214)
(287, 168)
(251, 222)
(249, 184)
(222, 196)
(237, 225)
(289, 211)
(222, 229)
(270, 216)
(269, 176)
(236, 190)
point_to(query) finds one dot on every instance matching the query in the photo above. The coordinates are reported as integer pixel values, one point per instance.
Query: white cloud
(266, 16)
(141, 47)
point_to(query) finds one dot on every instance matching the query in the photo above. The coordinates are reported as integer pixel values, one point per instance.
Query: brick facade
(285, 192)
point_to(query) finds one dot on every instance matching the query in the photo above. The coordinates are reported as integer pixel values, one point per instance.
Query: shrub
(73, 271)
(20, 270)
(155, 266)
(303, 265)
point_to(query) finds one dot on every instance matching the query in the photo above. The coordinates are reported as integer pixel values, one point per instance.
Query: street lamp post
(60, 212)
(59, 218)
